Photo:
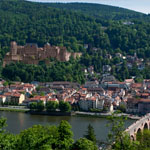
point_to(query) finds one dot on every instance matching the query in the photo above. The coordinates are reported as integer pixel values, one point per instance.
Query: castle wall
(30, 49)
(75, 55)
(31, 54)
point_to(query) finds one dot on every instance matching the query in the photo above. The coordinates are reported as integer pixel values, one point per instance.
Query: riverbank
(104, 115)
(14, 109)
(77, 113)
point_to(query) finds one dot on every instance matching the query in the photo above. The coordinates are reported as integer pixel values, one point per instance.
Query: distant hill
(99, 10)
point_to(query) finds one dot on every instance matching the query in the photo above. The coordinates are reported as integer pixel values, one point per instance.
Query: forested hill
(28, 22)
(100, 11)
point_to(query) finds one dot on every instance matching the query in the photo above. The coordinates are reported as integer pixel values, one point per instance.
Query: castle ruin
(32, 54)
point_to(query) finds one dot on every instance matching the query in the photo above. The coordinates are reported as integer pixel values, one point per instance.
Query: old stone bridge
(138, 126)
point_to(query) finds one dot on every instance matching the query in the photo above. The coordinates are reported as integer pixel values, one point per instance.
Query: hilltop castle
(32, 54)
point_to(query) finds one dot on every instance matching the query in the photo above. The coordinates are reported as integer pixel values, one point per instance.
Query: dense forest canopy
(100, 10)
(110, 30)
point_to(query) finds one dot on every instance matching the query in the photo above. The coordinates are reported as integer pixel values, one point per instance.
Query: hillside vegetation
(100, 11)
(28, 22)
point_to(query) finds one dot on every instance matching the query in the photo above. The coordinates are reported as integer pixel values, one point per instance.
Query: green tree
(40, 106)
(122, 108)
(84, 144)
(117, 136)
(38, 88)
(144, 140)
(51, 106)
(5, 83)
(7, 140)
(64, 141)
(64, 106)
(2, 124)
(90, 135)
(37, 137)
(33, 106)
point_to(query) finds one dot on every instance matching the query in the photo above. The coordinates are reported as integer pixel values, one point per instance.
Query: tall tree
(90, 135)
(64, 106)
(64, 141)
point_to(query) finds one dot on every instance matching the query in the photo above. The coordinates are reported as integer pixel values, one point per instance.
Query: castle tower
(47, 46)
(13, 48)
(57, 50)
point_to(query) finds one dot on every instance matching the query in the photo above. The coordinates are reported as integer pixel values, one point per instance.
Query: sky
(137, 5)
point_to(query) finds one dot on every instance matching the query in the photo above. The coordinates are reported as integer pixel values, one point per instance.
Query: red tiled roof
(136, 85)
(52, 99)
(129, 80)
(8, 94)
(16, 94)
(84, 89)
(42, 98)
(2, 96)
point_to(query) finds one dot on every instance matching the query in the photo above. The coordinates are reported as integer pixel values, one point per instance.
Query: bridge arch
(139, 130)
(132, 137)
(146, 126)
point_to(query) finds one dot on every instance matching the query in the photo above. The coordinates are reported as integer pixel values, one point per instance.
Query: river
(18, 121)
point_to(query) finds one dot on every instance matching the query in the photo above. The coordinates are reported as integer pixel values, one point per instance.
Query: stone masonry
(32, 54)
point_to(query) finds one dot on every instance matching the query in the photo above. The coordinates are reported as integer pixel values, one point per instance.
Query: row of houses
(108, 93)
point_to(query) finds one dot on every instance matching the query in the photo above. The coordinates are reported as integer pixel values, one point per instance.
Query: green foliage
(42, 94)
(37, 106)
(95, 110)
(5, 83)
(117, 127)
(122, 108)
(90, 135)
(84, 144)
(120, 140)
(64, 141)
(33, 106)
(64, 106)
(144, 140)
(8, 141)
(38, 88)
(57, 71)
(37, 137)
(101, 11)
(72, 27)
(41, 137)
(124, 143)
(2, 124)
(51, 106)
(40, 106)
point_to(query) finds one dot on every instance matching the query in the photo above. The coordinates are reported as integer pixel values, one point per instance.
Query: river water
(18, 121)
